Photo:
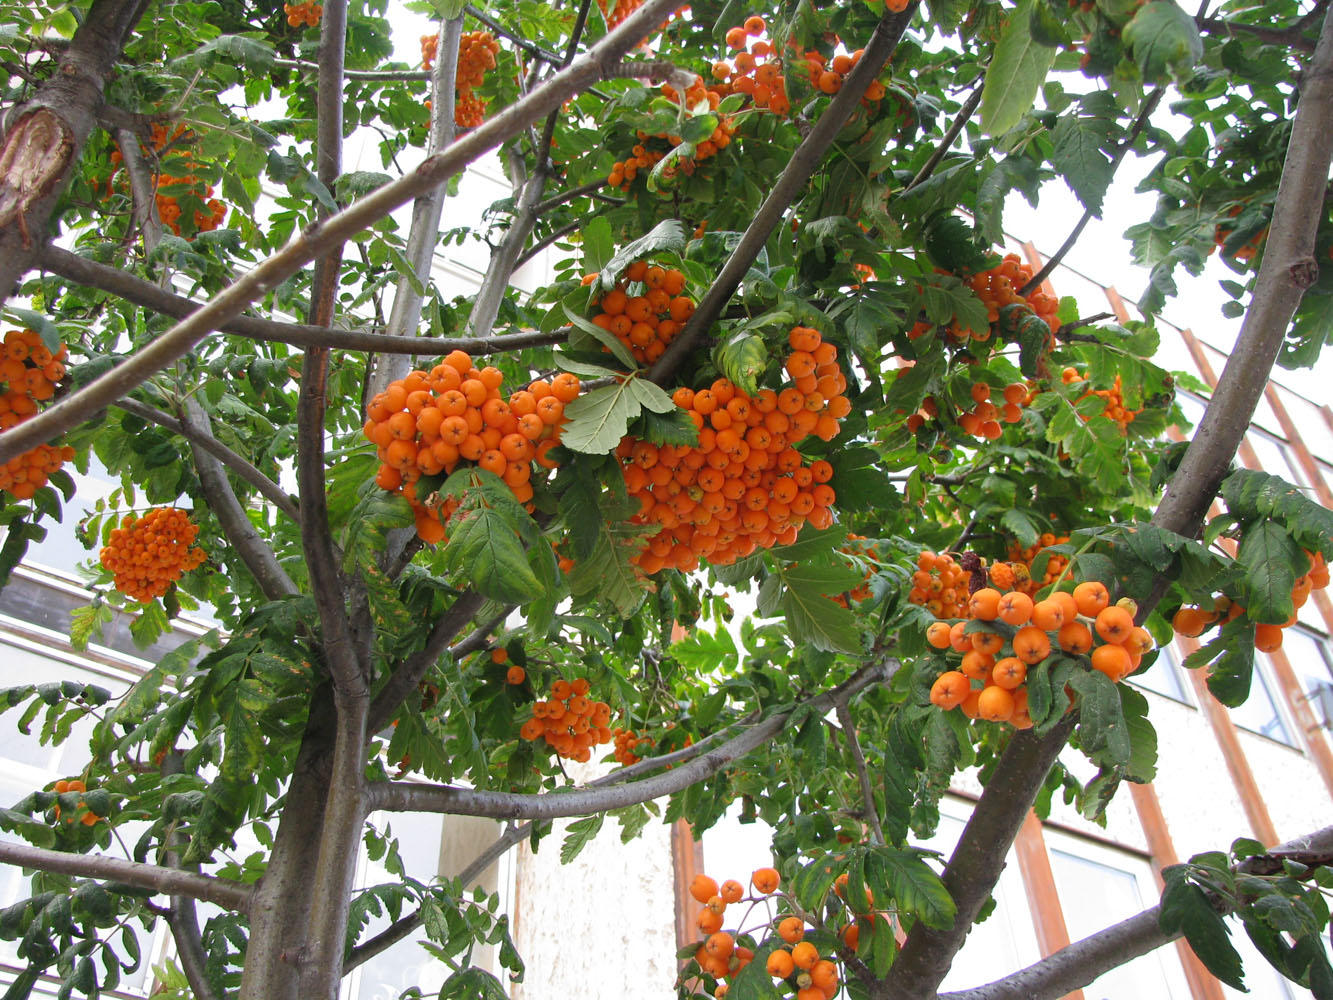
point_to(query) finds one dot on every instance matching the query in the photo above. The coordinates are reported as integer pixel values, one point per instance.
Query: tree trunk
(48, 133)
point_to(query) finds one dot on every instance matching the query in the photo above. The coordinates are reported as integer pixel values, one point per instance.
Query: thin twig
(274, 493)
(941, 150)
(869, 809)
(368, 75)
(1149, 106)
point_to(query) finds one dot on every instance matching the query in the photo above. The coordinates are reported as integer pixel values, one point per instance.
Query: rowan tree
(783, 353)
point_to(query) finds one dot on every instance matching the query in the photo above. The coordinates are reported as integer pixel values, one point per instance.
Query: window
(1275, 457)
(1308, 654)
(1260, 713)
(1163, 677)
(1099, 886)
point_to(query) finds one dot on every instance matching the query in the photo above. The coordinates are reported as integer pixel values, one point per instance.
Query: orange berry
(765, 880)
(703, 888)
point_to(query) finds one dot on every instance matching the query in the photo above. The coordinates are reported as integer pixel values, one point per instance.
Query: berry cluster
(1115, 402)
(429, 422)
(812, 977)
(1192, 622)
(1025, 557)
(569, 721)
(168, 205)
(940, 585)
(515, 674)
(854, 547)
(622, 10)
(29, 372)
(985, 418)
(648, 320)
(719, 955)
(476, 56)
(88, 818)
(622, 173)
(146, 555)
(743, 486)
(1222, 232)
(998, 287)
(626, 740)
(303, 13)
(988, 680)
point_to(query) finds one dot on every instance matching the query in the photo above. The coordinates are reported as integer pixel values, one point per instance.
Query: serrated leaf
(579, 834)
(650, 396)
(742, 359)
(667, 235)
(1161, 37)
(599, 419)
(1185, 909)
(485, 544)
(914, 884)
(1078, 154)
(1102, 731)
(1016, 71)
(1269, 556)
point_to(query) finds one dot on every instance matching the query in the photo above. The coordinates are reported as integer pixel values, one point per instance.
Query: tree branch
(401, 796)
(1287, 269)
(243, 469)
(219, 891)
(404, 926)
(862, 772)
(405, 314)
(1292, 38)
(183, 917)
(144, 293)
(408, 674)
(320, 237)
(1149, 106)
(141, 187)
(547, 240)
(956, 126)
(258, 557)
(1078, 964)
(976, 863)
(788, 186)
(44, 137)
(369, 75)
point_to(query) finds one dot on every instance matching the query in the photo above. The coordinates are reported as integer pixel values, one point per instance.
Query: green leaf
(650, 396)
(580, 834)
(599, 419)
(1078, 154)
(1270, 558)
(668, 235)
(702, 652)
(1102, 731)
(1252, 495)
(1142, 766)
(598, 245)
(742, 359)
(49, 332)
(485, 539)
(1016, 71)
(914, 885)
(1161, 37)
(603, 337)
(811, 615)
(1185, 909)
(472, 984)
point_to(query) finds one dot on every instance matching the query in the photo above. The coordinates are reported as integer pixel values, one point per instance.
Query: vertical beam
(1036, 262)
(1296, 444)
(1043, 900)
(687, 861)
(1298, 704)
(1238, 765)
(1163, 850)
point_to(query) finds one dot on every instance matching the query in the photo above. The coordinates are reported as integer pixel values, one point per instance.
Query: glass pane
(1163, 676)
(1259, 714)
(1094, 895)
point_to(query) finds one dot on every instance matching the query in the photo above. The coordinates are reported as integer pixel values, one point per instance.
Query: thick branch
(602, 59)
(1288, 268)
(405, 314)
(144, 293)
(408, 674)
(785, 190)
(142, 188)
(976, 862)
(400, 796)
(183, 915)
(45, 136)
(169, 881)
(207, 442)
(1078, 964)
